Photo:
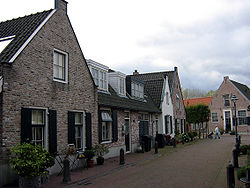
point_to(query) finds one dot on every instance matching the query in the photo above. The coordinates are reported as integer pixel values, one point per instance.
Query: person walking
(216, 132)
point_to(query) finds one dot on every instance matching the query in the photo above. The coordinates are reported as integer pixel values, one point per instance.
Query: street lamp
(234, 99)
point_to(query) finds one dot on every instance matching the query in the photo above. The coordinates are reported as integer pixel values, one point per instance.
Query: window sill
(106, 142)
(60, 81)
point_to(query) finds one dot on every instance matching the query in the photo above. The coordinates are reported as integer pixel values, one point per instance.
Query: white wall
(167, 109)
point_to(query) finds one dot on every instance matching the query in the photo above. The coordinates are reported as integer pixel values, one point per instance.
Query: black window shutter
(71, 128)
(26, 129)
(52, 131)
(166, 124)
(114, 126)
(88, 131)
(171, 125)
(99, 126)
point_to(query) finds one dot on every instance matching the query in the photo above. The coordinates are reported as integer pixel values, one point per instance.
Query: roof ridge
(238, 83)
(198, 98)
(13, 19)
(160, 72)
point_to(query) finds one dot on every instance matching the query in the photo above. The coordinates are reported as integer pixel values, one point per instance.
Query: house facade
(222, 107)
(48, 95)
(126, 112)
(165, 90)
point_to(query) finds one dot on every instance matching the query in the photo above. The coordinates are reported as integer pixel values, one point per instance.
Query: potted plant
(30, 162)
(89, 154)
(100, 150)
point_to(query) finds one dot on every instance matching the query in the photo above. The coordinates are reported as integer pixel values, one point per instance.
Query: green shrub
(241, 173)
(30, 160)
(89, 154)
(244, 148)
(221, 131)
(232, 132)
(195, 133)
(191, 135)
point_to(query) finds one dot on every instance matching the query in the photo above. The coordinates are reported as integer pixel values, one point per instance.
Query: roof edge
(31, 37)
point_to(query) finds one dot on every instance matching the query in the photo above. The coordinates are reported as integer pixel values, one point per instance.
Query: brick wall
(28, 82)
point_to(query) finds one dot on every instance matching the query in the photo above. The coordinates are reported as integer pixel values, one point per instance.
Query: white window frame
(45, 131)
(65, 80)
(213, 120)
(82, 125)
(109, 125)
(98, 79)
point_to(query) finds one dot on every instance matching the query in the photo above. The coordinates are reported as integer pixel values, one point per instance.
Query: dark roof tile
(115, 101)
(243, 88)
(154, 83)
(22, 28)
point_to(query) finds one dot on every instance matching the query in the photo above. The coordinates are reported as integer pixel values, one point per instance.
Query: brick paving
(200, 164)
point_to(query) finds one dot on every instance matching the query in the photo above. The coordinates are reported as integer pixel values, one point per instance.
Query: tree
(210, 93)
(197, 114)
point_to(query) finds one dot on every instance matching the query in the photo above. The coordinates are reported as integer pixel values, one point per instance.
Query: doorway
(127, 132)
(227, 115)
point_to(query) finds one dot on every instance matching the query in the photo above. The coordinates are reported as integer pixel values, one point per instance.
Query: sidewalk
(110, 166)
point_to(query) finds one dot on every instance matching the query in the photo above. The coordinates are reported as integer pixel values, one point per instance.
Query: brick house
(124, 117)
(222, 107)
(48, 95)
(165, 90)
(195, 101)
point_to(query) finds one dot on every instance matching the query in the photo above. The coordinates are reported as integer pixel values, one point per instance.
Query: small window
(226, 100)
(60, 66)
(242, 117)
(214, 117)
(167, 98)
(106, 131)
(38, 125)
(177, 102)
(79, 130)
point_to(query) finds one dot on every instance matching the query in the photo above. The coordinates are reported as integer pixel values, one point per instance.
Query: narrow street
(202, 164)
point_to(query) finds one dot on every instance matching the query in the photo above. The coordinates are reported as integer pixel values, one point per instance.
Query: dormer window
(137, 90)
(117, 82)
(99, 73)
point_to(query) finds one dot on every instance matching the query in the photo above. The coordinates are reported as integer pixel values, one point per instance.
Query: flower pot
(100, 160)
(90, 163)
(31, 182)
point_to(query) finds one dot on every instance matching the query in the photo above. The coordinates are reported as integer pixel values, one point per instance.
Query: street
(202, 164)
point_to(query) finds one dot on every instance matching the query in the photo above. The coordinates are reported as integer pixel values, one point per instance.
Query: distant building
(222, 107)
(195, 101)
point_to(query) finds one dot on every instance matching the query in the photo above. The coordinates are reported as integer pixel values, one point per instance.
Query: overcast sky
(205, 39)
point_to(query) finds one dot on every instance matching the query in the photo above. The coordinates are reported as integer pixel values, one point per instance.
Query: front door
(127, 131)
(227, 121)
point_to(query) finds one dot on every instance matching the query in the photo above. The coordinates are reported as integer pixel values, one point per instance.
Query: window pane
(78, 118)
(59, 66)
(37, 117)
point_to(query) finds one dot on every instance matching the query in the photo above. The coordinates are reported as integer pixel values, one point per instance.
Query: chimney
(175, 69)
(61, 5)
(135, 72)
(226, 78)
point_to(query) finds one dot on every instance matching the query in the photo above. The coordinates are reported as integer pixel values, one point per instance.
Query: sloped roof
(195, 101)
(154, 83)
(22, 28)
(113, 100)
(243, 88)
